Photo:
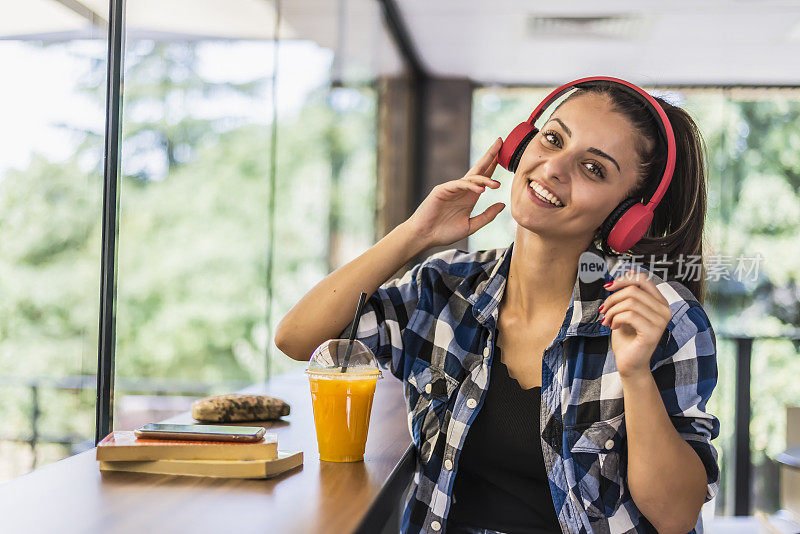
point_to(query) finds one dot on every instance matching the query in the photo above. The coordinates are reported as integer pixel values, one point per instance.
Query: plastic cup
(342, 401)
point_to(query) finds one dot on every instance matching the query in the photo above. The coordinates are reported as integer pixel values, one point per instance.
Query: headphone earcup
(615, 215)
(626, 225)
(514, 145)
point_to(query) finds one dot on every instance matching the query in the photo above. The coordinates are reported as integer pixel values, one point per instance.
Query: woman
(595, 419)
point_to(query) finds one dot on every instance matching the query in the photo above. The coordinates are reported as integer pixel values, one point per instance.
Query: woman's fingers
(632, 277)
(629, 305)
(457, 186)
(636, 293)
(492, 166)
(485, 161)
(482, 180)
(479, 221)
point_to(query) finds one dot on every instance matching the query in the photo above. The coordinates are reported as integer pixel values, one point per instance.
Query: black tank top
(501, 483)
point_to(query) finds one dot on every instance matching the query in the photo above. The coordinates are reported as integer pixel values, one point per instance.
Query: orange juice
(342, 403)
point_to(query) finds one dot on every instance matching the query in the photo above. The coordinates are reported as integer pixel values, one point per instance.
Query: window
(51, 176)
(753, 220)
(196, 303)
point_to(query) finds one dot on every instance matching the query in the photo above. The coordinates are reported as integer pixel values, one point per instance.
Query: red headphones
(629, 221)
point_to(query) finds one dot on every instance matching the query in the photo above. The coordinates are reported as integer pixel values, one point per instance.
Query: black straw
(361, 300)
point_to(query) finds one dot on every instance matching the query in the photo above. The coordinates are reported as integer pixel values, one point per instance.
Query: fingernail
(607, 284)
(601, 307)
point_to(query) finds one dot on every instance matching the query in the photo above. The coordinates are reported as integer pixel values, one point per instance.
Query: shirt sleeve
(386, 314)
(686, 376)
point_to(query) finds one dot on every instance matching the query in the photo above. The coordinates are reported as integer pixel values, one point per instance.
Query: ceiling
(352, 29)
(509, 42)
(515, 42)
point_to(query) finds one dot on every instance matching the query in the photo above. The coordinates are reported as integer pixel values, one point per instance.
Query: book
(213, 468)
(125, 446)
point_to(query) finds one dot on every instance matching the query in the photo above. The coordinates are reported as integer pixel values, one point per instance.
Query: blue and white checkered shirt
(434, 327)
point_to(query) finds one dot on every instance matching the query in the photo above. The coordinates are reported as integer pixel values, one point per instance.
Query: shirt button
(471, 403)
(448, 465)
(427, 388)
(610, 444)
(435, 525)
(486, 352)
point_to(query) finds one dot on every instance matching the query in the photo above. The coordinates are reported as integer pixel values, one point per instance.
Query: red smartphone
(200, 432)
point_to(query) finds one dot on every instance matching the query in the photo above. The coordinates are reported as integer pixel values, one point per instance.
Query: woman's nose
(556, 166)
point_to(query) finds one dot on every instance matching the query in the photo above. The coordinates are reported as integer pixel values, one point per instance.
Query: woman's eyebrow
(593, 150)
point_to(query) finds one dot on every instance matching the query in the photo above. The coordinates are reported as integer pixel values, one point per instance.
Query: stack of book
(123, 451)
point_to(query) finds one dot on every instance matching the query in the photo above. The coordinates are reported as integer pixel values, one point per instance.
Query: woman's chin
(535, 224)
(542, 225)
(534, 220)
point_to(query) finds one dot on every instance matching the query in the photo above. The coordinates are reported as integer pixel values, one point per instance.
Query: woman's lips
(532, 195)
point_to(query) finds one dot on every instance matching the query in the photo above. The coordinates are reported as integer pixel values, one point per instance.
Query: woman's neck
(541, 276)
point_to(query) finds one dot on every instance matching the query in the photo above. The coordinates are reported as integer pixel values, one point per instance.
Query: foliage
(192, 242)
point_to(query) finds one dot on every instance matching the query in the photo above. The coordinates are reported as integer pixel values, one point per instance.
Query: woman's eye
(598, 169)
(546, 134)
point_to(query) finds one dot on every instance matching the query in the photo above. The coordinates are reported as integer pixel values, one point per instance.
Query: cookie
(236, 407)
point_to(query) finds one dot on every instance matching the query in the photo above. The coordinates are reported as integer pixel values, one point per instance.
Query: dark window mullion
(108, 287)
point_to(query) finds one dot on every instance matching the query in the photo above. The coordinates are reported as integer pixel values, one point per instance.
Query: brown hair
(678, 220)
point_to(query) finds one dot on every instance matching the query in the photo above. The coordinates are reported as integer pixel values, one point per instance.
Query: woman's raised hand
(444, 216)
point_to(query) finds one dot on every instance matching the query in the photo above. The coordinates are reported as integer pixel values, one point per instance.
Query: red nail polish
(607, 284)
(601, 307)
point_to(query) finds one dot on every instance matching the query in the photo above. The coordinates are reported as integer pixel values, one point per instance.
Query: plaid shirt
(434, 327)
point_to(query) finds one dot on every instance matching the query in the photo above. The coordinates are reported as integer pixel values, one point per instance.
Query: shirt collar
(484, 289)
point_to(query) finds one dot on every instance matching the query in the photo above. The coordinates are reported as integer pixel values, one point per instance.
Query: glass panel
(193, 300)
(753, 221)
(52, 104)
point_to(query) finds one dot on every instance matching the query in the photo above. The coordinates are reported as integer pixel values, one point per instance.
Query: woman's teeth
(542, 193)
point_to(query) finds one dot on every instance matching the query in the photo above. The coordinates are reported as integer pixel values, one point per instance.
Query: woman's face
(585, 156)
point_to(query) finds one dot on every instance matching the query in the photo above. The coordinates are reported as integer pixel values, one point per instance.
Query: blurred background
(266, 143)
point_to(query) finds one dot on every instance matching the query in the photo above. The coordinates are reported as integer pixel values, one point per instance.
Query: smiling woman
(622, 364)
(591, 160)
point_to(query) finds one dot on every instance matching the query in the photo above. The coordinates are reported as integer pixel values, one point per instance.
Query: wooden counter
(73, 496)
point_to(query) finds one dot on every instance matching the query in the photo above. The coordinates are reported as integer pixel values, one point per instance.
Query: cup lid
(329, 357)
